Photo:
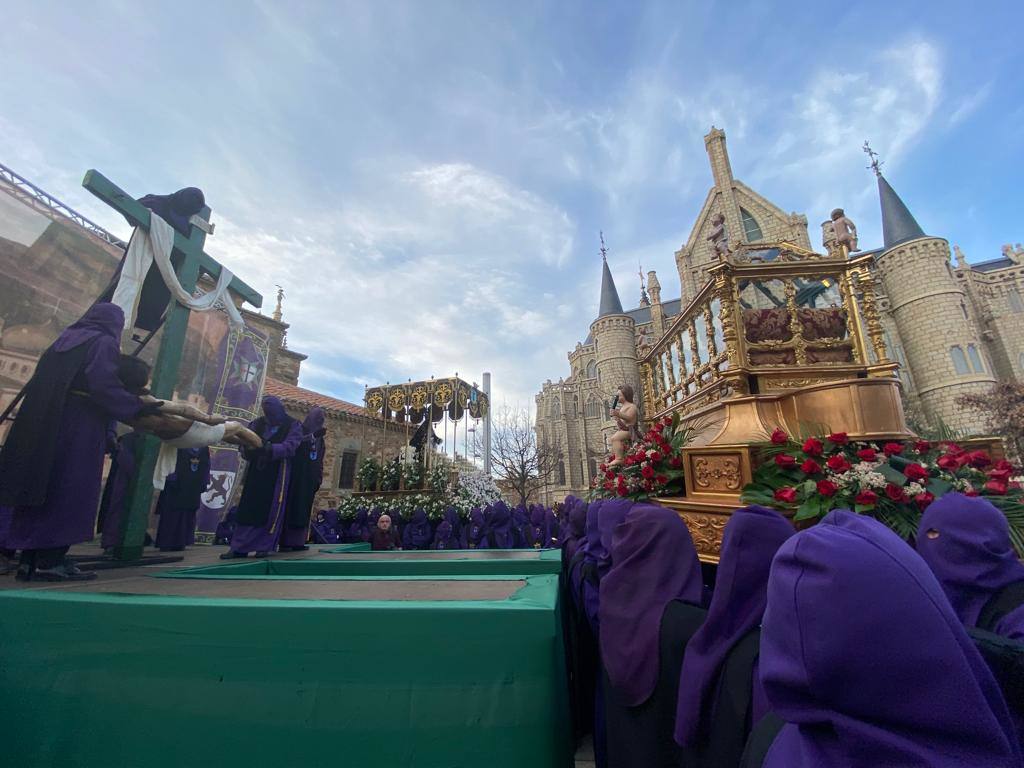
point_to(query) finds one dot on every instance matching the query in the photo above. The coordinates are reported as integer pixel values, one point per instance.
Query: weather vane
(876, 164)
(644, 300)
(604, 251)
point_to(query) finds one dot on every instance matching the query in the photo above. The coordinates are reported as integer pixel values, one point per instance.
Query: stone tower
(929, 308)
(614, 334)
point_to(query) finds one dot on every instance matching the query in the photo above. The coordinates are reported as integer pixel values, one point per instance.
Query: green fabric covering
(376, 567)
(117, 680)
(362, 546)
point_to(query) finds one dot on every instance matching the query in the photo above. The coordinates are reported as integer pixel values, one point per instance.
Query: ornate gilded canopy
(410, 401)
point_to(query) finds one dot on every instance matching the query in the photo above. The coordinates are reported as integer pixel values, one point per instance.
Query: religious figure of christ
(626, 416)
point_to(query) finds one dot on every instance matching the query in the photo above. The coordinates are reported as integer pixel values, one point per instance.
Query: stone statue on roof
(961, 260)
(654, 287)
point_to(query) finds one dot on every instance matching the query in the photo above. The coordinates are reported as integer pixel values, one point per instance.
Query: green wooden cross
(192, 262)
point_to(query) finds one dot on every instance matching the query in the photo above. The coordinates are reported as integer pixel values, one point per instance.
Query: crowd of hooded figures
(493, 526)
(840, 645)
(51, 463)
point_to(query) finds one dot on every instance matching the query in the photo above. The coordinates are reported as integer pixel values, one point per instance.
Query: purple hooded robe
(866, 662)
(261, 508)
(444, 539)
(575, 512)
(66, 513)
(307, 474)
(653, 561)
(752, 537)
(966, 543)
(417, 534)
(498, 533)
(122, 468)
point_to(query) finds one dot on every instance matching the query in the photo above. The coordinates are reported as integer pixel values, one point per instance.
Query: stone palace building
(954, 328)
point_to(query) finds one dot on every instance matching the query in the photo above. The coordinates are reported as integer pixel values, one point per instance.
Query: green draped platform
(300, 669)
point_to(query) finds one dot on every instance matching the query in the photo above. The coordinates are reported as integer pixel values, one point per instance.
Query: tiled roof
(992, 265)
(291, 395)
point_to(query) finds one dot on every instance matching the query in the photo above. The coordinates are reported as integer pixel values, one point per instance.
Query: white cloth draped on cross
(155, 245)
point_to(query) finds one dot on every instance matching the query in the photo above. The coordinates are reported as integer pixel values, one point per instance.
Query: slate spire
(610, 304)
(898, 223)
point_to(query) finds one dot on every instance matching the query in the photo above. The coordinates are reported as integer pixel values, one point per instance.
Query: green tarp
(149, 681)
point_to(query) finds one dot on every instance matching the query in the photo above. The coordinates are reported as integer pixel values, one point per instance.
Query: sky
(427, 180)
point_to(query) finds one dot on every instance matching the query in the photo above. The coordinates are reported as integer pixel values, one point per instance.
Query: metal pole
(487, 424)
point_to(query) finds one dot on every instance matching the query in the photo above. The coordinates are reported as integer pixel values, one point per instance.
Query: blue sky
(427, 179)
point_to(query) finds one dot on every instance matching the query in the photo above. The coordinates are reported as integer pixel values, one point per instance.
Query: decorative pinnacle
(876, 164)
(604, 250)
(280, 298)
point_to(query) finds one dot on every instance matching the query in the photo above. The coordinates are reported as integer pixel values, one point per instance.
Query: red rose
(813, 447)
(641, 454)
(952, 447)
(970, 492)
(915, 472)
(996, 487)
(867, 454)
(921, 446)
(623, 491)
(675, 462)
(609, 473)
(658, 426)
(978, 459)
(948, 462)
(838, 438)
(827, 488)
(892, 449)
(895, 493)
(648, 485)
(608, 485)
(785, 461)
(661, 479)
(647, 471)
(924, 499)
(655, 456)
(866, 498)
(1003, 465)
(787, 495)
(838, 464)
(810, 467)
(779, 437)
(667, 421)
(999, 475)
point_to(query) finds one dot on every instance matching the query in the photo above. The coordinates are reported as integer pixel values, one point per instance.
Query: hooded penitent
(966, 543)
(498, 527)
(653, 561)
(752, 537)
(865, 660)
(473, 531)
(417, 534)
(307, 475)
(443, 539)
(575, 513)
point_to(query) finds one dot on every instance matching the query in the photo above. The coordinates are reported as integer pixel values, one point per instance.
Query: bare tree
(519, 460)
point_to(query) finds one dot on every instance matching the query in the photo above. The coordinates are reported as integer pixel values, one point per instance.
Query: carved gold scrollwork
(717, 472)
(443, 393)
(871, 318)
(707, 532)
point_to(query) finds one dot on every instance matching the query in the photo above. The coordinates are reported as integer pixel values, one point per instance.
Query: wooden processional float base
(721, 460)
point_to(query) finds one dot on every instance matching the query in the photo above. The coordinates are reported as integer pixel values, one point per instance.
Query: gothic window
(1020, 362)
(561, 472)
(972, 352)
(593, 408)
(1014, 300)
(575, 405)
(591, 370)
(556, 409)
(750, 226)
(347, 473)
(959, 361)
(593, 464)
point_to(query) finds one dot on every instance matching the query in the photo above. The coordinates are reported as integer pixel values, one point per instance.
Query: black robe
(27, 457)
(261, 476)
(307, 475)
(643, 736)
(189, 483)
(733, 706)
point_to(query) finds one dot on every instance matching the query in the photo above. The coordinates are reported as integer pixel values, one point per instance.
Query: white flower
(914, 489)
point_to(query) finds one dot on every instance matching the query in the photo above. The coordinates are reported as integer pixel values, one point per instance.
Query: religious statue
(643, 345)
(719, 238)
(961, 260)
(1011, 254)
(845, 230)
(654, 287)
(626, 416)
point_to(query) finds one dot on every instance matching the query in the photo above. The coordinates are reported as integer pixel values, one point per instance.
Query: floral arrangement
(475, 489)
(653, 466)
(368, 473)
(892, 481)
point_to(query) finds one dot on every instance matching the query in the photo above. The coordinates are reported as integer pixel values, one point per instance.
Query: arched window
(593, 468)
(959, 361)
(972, 353)
(750, 226)
(591, 370)
(1014, 300)
(1020, 362)
(556, 408)
(593, 408)
(575, 405)
(561, 472)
